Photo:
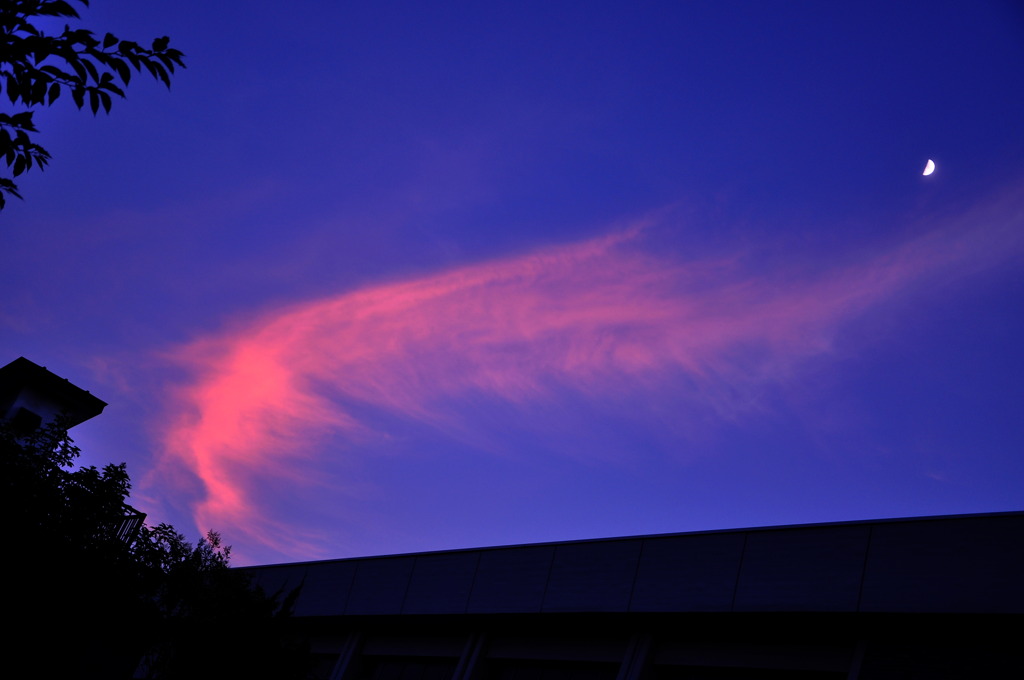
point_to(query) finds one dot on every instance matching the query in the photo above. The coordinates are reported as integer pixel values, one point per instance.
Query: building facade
(31, 397)
(904, 598)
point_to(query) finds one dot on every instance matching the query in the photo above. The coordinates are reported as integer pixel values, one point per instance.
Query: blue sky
(389, 277)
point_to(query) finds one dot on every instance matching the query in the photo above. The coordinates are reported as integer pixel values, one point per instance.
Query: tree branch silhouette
(36, 68)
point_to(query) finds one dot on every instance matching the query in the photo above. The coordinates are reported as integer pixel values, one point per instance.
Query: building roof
(945, 564)
(22, 380)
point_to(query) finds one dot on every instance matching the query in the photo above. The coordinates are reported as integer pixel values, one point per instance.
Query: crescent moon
(929, 167)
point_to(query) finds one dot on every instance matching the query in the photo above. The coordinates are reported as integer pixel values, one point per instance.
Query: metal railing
(129, 525)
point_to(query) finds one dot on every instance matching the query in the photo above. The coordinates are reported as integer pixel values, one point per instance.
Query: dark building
(31, 396)
(902, 598)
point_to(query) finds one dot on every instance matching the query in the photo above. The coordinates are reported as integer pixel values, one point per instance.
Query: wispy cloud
(592, 318)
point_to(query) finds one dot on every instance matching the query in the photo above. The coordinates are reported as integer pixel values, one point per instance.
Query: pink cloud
(598, 317)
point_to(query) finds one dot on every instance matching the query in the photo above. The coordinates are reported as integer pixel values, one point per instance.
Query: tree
(203, 604)
(63, 533)
(95, 590)
(36, 68)
(57, 510)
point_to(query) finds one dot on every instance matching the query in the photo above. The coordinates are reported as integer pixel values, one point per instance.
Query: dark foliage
(36, 68)
(89, 599)
(211, 623)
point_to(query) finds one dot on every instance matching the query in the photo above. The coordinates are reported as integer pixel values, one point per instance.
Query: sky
(376, 278)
